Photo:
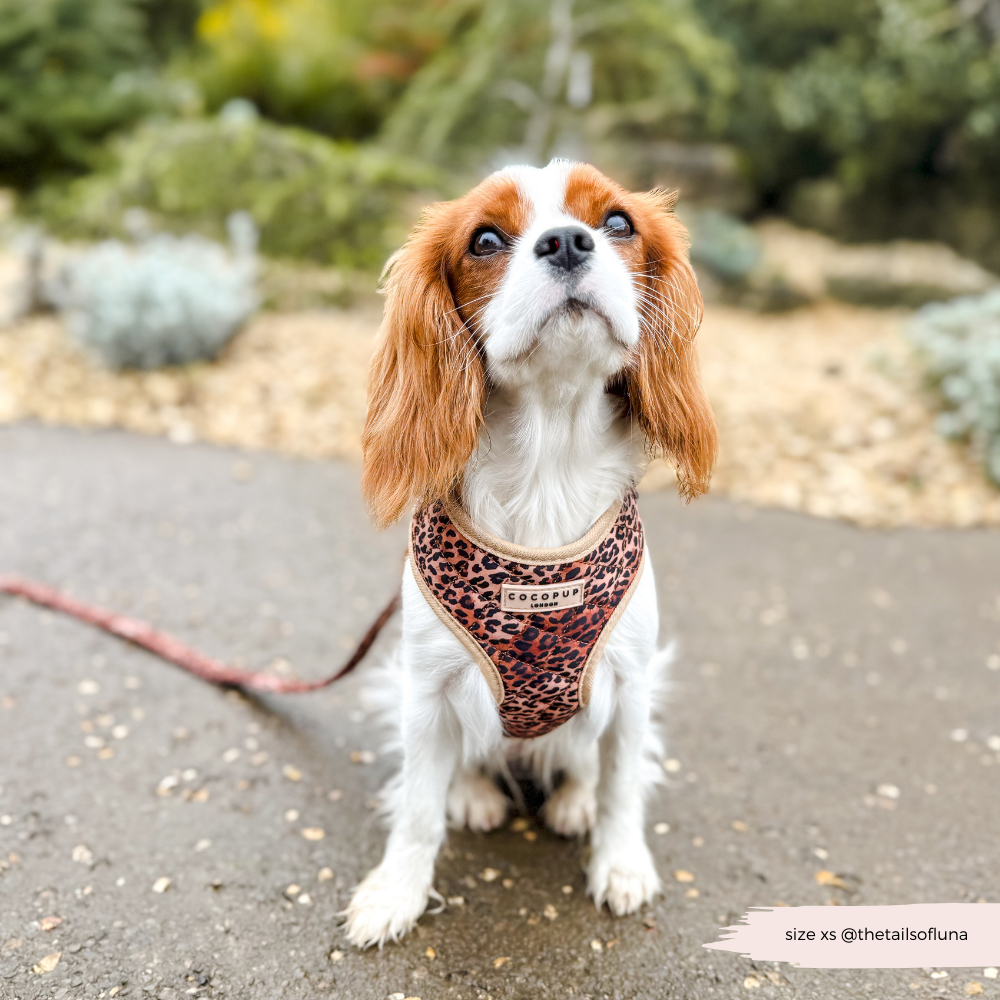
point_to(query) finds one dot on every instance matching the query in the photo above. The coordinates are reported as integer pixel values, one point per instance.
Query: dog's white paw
(474, 801)
(624, 879)
(384, 907)
(571, 809)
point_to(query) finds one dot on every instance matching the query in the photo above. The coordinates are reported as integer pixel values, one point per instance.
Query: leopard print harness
(535, 621)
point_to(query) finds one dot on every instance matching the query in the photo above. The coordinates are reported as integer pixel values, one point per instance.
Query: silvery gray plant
(960, 342)
(164, 299)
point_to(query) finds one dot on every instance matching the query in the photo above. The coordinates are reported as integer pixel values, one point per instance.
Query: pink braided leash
(174, 651)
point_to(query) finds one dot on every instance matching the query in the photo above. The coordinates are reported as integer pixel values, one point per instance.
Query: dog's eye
(487, 242)
(618, 225)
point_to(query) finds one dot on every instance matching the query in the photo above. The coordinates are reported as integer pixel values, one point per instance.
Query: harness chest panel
(539, 660)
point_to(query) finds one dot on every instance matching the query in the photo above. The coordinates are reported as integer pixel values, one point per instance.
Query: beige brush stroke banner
(912, 936)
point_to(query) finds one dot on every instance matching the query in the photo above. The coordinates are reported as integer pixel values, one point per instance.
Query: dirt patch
(820, 410)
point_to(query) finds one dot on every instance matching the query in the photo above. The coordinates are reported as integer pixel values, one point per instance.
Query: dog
(537, 348)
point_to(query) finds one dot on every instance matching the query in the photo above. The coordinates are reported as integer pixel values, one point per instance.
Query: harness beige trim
(525, 554)
(485, 664)
(590, 667)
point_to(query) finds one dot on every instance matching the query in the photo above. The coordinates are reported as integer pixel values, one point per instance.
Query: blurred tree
(170, 24)
(329, 65)
(872, 118)
(534, 78)
(69, 79)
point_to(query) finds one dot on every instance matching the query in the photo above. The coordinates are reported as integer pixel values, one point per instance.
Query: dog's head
(533, 275)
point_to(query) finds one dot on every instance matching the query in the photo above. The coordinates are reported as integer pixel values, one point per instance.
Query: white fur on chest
(554, 453)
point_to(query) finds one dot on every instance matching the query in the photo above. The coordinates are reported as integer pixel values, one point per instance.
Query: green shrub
(328, 66)
(960, 343)
(872, 118)
(336, 203)
(167, 301)
(724, 244)
(70, 76)
(170, 24)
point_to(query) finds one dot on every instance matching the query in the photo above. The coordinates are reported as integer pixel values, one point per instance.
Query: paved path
(821, 667)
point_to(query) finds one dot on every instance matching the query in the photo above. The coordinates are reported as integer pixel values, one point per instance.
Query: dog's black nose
(566, 247)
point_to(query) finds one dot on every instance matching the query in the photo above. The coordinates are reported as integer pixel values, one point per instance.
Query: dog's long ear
(663, 381)
(426, 385)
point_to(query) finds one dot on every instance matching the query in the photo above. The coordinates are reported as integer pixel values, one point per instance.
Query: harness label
(517, 598)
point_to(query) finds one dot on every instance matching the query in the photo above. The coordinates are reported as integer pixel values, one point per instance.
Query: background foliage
(873, 119)
(869, 118)
(311, 63)
(71, 74)
(309, 196)
(960, 342)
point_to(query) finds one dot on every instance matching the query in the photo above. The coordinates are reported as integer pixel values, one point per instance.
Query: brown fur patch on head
(661, 379)
(426, 388)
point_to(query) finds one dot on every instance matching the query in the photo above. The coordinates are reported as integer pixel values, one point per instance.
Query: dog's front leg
(621, 870)
(393, 896)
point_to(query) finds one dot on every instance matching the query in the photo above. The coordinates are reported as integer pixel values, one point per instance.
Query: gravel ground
(289, 382)
(834, 711)
(820, 410)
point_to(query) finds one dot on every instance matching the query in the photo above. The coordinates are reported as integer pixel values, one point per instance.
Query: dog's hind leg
(474, 801)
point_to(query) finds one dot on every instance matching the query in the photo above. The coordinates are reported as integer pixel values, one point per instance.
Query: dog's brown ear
(426, 385)
(663, 380)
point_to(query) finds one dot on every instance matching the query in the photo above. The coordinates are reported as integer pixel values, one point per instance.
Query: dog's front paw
(384, 907)
(474, 801)
(571, 809)
(624, 879)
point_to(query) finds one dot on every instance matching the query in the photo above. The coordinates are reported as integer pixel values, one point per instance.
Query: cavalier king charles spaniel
(537, 347)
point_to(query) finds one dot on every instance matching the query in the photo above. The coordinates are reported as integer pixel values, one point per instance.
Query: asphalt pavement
(832, 738)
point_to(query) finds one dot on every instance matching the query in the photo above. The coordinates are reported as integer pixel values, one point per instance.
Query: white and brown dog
(537, 346)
